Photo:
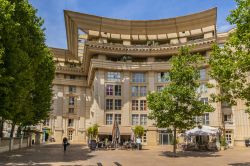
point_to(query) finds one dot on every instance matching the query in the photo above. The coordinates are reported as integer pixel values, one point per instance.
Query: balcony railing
(144, 49)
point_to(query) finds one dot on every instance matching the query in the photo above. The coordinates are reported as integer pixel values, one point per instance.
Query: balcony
(72, 115)
(61, 81)
(68, 70)
(229, 124)
(144, 50)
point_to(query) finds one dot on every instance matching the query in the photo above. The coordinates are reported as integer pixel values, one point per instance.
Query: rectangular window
(70, 122)
(109, 90)
(228, 118)
(135, 105)
(118, 118)
(138, 77)
(117, 90)
(135, 119)
(72, 89)
(135, 91)
(143, 90)
(203, 74)
(163, 77)
(143, 119)
(71, 110)
(109, 119)
(109, 104)
(143, 105)
(71, 100)
(205, 119)
(202, 88)
(113, 76)
(72, 77)
(118, 104)
(204, 100)
(160, 88)
(139, 91)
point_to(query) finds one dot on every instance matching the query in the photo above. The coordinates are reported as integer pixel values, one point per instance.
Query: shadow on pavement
(189, 154)
(43, 155)
(240, 164)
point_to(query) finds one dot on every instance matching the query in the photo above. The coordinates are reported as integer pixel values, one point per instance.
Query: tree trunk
(12, 130)
(1, 128)
(174, 143)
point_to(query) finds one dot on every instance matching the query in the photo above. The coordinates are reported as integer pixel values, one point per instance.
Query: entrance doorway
(70, 135)
(229, 136)
(165, 137)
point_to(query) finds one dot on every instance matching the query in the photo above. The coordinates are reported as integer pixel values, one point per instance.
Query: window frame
(109, 119)
(138, 77)
(109, 105)
(118, 104)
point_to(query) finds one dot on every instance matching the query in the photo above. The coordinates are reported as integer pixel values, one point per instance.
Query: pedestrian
(65, 143)
(138, 142)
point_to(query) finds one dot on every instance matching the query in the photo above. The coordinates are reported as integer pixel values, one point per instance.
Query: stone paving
(78, 154)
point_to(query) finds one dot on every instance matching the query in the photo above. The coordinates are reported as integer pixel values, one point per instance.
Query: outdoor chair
(133, 146)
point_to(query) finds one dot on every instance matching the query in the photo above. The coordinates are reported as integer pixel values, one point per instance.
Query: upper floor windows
(202, 88)
(113, 104)
(70, 122)
(136, 106)
(113, 90)
(204, 100)
(109, 119)
(71, 100)
(113, 76)
(138, 77)
(163, 77)
(72, 77)
(204, 119)
(159, 88)
(71, 110)
(203, 74)
(117, 118)
(139, 119)
(72, 89)
(139, 91)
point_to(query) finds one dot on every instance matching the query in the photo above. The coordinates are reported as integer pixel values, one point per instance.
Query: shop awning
(107, 130)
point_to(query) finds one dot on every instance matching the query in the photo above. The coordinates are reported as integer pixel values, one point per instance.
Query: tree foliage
(139, 131)
(27, 64)
(92, 131)
(178, 103)
(230, 64)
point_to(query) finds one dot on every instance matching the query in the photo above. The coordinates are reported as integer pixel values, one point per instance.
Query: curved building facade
(112, 64)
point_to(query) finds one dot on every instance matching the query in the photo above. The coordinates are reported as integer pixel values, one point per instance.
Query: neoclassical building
(110, 66)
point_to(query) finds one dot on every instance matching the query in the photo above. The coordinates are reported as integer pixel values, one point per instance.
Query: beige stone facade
(112, 64)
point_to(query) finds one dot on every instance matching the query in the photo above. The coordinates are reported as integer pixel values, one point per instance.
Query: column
(126, 92)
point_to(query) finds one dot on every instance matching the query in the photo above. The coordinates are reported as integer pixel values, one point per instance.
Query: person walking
(65, 143)
(138, 143)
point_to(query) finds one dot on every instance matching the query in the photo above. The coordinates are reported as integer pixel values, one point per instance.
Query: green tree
(27, 61)
(92, 131)
(139, 131)
(230, 64)
(178, 103)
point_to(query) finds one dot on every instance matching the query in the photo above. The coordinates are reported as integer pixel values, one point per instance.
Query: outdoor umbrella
(115, 133)
(204, 130)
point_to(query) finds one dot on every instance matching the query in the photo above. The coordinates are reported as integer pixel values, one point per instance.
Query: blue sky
(52, 12)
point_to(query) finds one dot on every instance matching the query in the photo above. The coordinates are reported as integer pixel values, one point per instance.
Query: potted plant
(223, 143)
(139, 132)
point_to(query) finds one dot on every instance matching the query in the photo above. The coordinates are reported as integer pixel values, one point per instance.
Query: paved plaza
(78, 154)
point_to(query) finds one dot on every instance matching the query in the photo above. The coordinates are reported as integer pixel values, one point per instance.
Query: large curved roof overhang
(86, 22)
